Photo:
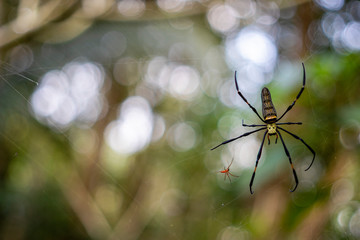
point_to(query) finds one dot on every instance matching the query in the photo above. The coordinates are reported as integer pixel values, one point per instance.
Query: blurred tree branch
(34, 17)
(58, 20)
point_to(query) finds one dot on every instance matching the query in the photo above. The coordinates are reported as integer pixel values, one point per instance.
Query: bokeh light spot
(257, 47)
(70, 94)
(159, 128)
(354, 224)
(171, 5)
(245, 9)
(351, 36)
(332, 5)
(132, 131)
(181, 136)
(131, 8)
(223, 18)
(113, 44)
(245, 151)
(22, 57)
(349, 135)
(184, 82)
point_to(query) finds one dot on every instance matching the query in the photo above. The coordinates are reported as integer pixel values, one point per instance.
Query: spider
(227, 172)
(271, 127)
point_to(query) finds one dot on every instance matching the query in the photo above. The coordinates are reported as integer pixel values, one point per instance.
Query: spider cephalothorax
(271, 127)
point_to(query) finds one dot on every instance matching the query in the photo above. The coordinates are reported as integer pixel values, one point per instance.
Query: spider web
(185, 160)
(221, 203)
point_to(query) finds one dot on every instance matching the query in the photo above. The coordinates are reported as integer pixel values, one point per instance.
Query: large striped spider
(271, 127)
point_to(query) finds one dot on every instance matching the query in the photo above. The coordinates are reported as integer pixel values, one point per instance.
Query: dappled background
(109, 110)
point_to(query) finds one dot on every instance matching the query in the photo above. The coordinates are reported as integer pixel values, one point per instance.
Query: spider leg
(298, 96)
(253, 125)
(257, 161)
(292, 166)
(289, 123)
(231, 163)
(268, 139)
(311, 150)
(233, 139)
(233, 174)
(227, 174)
(245, 100)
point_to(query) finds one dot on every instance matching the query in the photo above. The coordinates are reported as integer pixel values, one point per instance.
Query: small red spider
(227, 172)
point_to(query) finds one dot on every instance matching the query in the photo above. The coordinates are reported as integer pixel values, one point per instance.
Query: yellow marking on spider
(271, 127)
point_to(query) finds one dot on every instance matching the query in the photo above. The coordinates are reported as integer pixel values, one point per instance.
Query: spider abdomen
(268, 109)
